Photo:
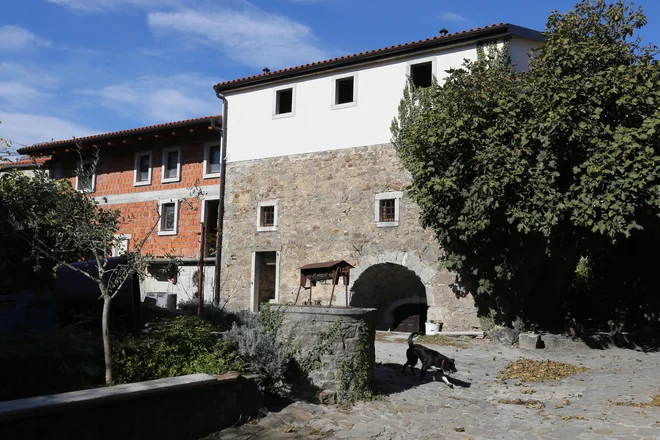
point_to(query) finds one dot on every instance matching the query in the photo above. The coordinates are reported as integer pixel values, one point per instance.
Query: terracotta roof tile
(115, 134)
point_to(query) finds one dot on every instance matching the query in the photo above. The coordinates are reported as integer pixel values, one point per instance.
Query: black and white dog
(429, 358)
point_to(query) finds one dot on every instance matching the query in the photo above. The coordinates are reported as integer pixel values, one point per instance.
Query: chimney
(265, 70)
(444, 32)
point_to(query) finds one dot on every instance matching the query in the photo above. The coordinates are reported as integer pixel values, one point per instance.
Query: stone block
(529, 340)
(555, 341)
(505, 335)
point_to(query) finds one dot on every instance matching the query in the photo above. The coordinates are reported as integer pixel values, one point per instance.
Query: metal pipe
(221, 201)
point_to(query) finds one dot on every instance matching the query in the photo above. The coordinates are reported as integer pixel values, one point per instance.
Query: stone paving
(578, 407)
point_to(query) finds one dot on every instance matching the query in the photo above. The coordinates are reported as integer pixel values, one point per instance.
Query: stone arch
(399, 294)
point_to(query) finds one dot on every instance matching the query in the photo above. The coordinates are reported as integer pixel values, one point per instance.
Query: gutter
(221, 198)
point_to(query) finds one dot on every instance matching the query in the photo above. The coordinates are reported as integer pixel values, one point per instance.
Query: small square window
(86, 176)
(422, 74)
(142, 173)
(386, 208)
(212, 161)
(283, 101)
(169, 218)
(344, 90)
(171, 168)
(267, 216)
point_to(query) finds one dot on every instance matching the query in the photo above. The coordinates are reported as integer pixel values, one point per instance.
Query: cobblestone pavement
(577, 407)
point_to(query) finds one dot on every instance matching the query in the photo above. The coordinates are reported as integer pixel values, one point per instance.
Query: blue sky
(77, 67)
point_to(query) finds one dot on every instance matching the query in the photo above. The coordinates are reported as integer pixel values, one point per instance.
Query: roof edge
(116, 134)
(495, 30)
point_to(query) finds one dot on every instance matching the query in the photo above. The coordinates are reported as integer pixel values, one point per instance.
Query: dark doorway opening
(397, 293)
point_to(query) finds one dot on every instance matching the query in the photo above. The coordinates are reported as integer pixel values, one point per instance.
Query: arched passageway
(397, 293)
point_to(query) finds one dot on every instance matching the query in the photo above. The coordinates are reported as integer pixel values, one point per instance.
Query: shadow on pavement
(389, 379)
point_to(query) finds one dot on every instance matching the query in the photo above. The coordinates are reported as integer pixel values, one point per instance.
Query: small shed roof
(327, 265)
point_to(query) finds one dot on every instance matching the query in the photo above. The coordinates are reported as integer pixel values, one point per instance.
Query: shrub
(185, 345)
(62, 361)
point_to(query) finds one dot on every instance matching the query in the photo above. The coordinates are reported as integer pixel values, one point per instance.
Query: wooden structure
(329, 270)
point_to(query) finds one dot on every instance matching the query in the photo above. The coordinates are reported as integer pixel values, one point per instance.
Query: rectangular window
(143, 165)
(171, 169)
(86, 176)
(267, 216)
(422, 74)
(283, 101)
(344, 90)
(387, 207)
(169, 218)
(387, 210)
(212, 161)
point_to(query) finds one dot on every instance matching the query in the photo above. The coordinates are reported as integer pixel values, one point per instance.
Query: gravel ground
(579, 407)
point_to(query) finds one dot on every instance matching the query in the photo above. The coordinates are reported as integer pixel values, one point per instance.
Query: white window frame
(334, 91)
(86, 162)
(422, 61)
(292, 113)
(136, 170)
(260, 205)
(122, 245)
(161, 215)
(397, 196)
(166, 151)
(207, 156)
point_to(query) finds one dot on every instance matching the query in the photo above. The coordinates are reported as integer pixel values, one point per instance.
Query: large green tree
(522, 173)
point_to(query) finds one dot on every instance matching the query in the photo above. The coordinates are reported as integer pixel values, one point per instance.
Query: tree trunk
(105, 329)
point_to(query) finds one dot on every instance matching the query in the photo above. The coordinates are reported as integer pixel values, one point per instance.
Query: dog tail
(410, 338)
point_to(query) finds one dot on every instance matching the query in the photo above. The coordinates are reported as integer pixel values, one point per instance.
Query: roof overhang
(450, 40)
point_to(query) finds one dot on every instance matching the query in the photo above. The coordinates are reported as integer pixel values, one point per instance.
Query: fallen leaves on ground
(530, 370)
(655, 401)
(528, 391)
(529, 403)
(440, 340)
(573, 418)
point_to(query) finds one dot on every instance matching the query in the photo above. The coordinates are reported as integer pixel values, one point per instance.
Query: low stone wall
(178, 408)
(309, 323)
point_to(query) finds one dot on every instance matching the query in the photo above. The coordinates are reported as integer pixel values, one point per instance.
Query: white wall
(253, 132)
(519, 50)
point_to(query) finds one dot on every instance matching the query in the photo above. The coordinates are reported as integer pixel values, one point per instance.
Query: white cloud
(250, 36)
(96, 6)
(15, 92)
(27, 129)
(30, 75)
(153, 99)
(16, 38)
(453, 17)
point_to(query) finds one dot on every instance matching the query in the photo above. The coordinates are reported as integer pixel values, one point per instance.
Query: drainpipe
(221, 201)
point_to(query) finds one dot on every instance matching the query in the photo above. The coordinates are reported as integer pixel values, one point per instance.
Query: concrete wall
(143, 410)
(326, 212)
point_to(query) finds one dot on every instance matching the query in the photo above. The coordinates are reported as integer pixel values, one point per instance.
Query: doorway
(210, 219)
(265, 278)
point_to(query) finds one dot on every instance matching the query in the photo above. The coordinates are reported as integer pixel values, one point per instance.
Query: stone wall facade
(308, 323)
(326, 211)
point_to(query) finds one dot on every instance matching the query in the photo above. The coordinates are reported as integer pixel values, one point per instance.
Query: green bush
(62, 361)
(183, 346)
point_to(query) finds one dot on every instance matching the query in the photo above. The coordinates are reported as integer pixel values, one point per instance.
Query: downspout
(221, 201)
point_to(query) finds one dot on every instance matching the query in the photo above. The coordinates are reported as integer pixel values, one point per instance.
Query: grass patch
(529, 370)
(441, 340)
(655, 402)
(384, 337)
(529, 403)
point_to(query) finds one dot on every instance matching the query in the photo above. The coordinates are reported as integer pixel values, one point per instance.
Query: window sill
(166, 232)
(284, 115)
(141, 183)
(266, 228)
(344, 105)
(171, 180)
(211, 176)
(386, 224)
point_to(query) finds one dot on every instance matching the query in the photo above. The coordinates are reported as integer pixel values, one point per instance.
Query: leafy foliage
(186, 345)
(522, 173)
(354, 373)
